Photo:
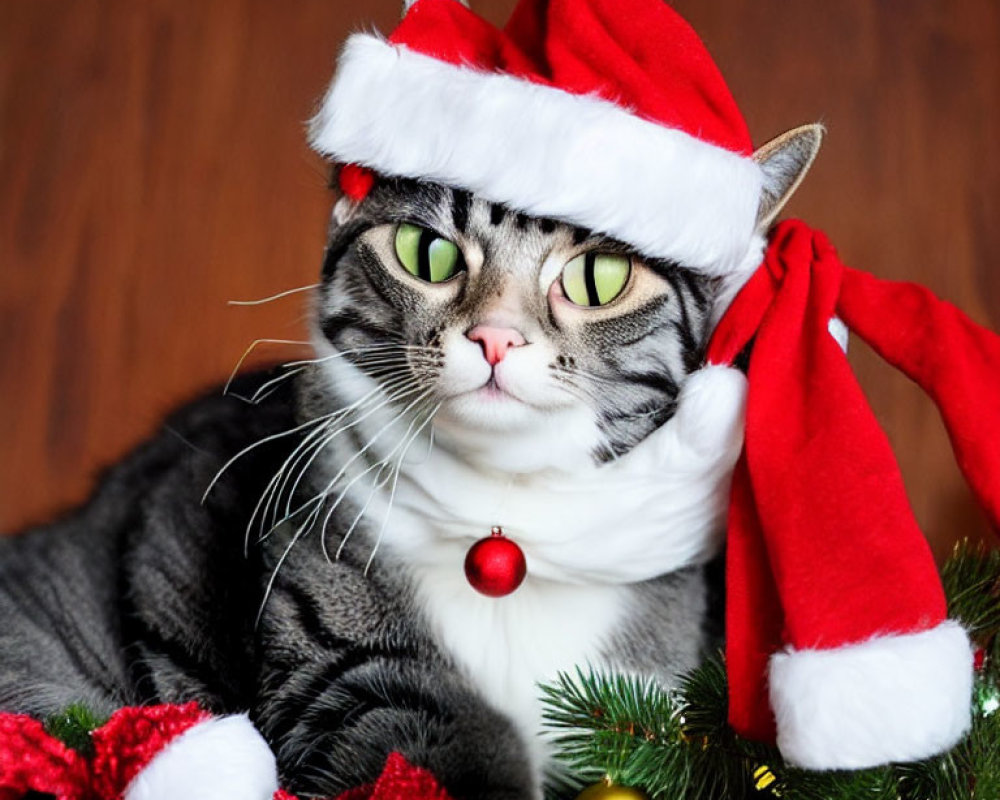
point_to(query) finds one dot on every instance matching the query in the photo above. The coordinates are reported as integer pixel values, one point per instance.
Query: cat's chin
(490, 408)
(503, 433)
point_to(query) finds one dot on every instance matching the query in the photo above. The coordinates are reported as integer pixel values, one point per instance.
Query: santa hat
(606, 114)
(610, 114)
(837, 638)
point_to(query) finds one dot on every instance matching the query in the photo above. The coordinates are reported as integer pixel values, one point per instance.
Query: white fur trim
(839, 332)
(219, 758)
(894, 698)
(711, 411)
(542, 150)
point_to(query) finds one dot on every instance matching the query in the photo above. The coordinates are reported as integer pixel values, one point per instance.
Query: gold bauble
(606, 790)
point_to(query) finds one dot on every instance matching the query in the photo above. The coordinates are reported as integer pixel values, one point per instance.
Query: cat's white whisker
(326, 439)
(318, 439)
(382, 349)
(378, 464)
(274, 573)
(322, 443)
(344, 468)
(377, 483)
(268, 493)
(327, 420)
(269, 387)
(253, 346)
(338, 354)
(324, 423)
(270, 298)
(395, 481)
(271, 438)
(306, 525)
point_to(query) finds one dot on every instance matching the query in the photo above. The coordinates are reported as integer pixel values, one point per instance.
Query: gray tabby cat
(474, 367)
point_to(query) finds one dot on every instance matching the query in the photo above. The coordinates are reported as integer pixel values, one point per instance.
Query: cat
(300, 556)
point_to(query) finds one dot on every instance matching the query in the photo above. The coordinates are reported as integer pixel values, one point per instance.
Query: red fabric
(823, 547)
(126, 744)
(754, 617)
(33, 761)
(400, 780)
(639, 54)
(448, 31)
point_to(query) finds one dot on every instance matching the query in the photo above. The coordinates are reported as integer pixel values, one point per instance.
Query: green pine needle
(610, 725)
(971, 579)
(677, 745)
(73, 726)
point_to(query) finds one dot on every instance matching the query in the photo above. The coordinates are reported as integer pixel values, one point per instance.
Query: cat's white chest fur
(586, 535)
(587, 532)
(507, 646)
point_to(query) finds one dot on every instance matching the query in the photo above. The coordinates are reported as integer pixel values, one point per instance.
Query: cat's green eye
(426, 255)
(595, 279)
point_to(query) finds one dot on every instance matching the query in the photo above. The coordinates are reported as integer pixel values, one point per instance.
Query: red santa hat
(606, 114)
(610, 114)
(837, 637)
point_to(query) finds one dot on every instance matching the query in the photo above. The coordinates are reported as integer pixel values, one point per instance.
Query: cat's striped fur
(257, 599)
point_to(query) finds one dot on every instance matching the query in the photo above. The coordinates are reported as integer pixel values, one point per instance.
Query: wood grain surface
(153, 167)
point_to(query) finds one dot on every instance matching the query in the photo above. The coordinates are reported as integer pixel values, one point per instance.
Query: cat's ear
(408, 3)
(785, 162)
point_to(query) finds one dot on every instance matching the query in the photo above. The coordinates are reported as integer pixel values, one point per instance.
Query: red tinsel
(400, 780)
(31, 760)
(130, 739)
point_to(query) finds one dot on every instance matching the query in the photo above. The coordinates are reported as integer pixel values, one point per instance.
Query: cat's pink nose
(495, 341)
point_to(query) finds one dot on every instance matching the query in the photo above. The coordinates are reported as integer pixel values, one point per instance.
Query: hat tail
(862, 666)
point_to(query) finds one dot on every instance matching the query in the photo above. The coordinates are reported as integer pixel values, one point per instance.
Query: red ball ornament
(495, 566)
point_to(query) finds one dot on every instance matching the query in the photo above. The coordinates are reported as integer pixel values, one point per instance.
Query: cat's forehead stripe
(460, 201)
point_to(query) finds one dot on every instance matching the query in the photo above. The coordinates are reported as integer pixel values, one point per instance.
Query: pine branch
(73, 726)
(621, 726)
(971, 579)
(678, 745)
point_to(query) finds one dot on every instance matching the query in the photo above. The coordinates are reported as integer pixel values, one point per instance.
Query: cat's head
(543, 343)
(537, 343)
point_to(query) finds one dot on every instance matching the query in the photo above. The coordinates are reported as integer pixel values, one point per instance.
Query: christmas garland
(633, 738)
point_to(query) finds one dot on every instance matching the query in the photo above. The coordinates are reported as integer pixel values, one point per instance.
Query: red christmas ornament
(495, 566)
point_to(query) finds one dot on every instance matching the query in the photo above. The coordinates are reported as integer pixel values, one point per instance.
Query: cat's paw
(221, 757)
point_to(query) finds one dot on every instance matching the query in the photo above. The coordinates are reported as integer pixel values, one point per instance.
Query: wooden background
(153, 166)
